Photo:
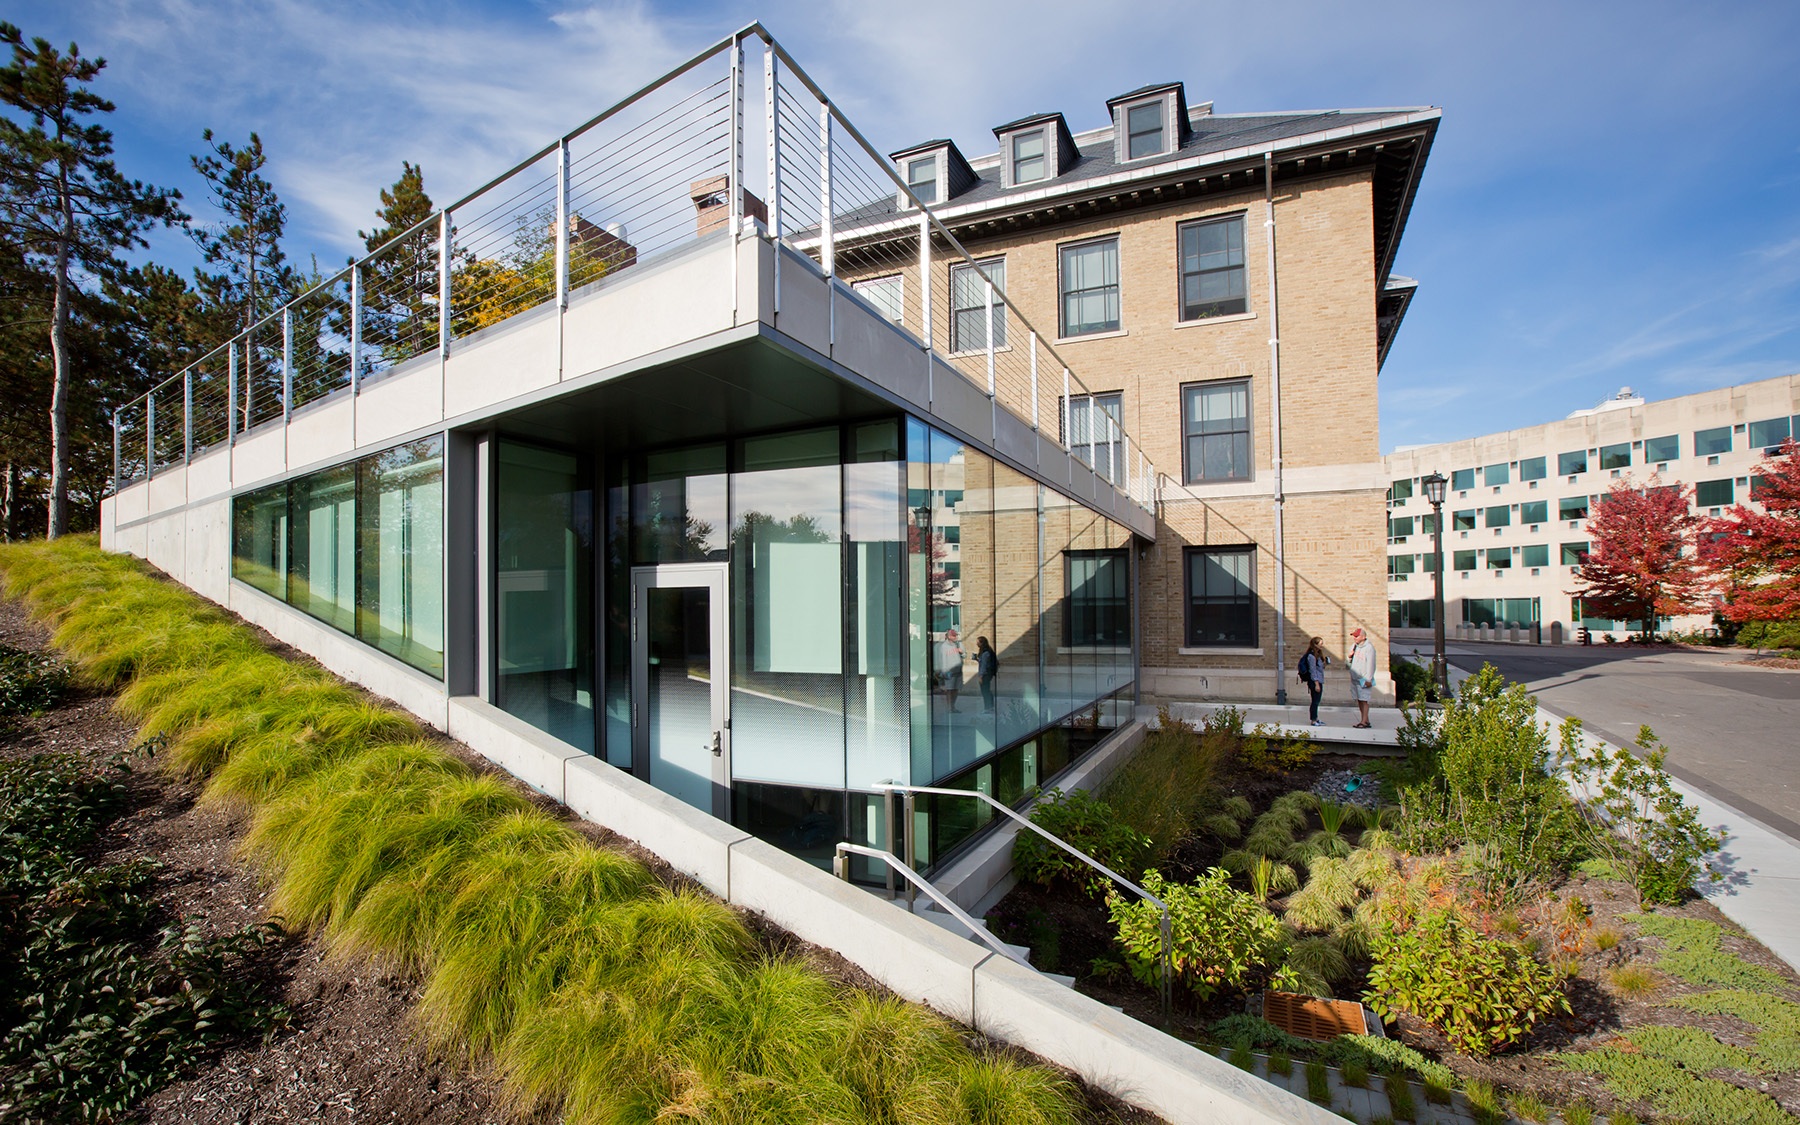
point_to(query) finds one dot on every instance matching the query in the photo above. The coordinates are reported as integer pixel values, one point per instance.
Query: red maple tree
(1642, 563)
(1756, 555)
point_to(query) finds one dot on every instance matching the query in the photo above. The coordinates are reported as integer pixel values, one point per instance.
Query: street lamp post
(1440, 672)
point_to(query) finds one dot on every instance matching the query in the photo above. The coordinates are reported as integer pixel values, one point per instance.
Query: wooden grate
(1311, 1017)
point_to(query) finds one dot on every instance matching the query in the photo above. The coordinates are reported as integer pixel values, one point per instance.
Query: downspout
(1275, 436)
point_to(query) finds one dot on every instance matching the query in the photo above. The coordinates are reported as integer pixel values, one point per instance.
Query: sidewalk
(1340, 722)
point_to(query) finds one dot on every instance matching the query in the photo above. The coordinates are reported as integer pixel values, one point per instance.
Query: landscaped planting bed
(1545, 956)
(444, 947)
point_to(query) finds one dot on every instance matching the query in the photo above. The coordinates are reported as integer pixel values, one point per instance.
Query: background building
(1516, 509)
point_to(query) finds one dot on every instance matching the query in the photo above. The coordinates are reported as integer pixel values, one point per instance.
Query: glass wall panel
(1059, 520)
(875, 531)
(617, 625)
(963, 499)
(543, 565)
(679, 509)
(787, 680)
(923, 563)
(322, 581)
(259, 537)
(1012, 689)
(400, 518)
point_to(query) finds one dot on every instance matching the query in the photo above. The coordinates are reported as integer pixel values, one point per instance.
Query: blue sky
(1613, 199)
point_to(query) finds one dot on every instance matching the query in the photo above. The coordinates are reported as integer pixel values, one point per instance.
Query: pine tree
(254, 278)
(1756, 555)
(1641, 562)
(400, 285)
(63, 201)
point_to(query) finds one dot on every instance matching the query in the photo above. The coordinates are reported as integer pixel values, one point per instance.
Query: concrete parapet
(512, 744)
(693, 843)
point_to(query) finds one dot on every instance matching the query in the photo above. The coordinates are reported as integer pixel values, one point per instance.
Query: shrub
(1167, 788)
(30, 682)
(1267, 748)
(1637, 820)
(1220, 937)
(1412, 682)
(1632, 981)
(1482, 993)
(1084, 822)
(1770, 634)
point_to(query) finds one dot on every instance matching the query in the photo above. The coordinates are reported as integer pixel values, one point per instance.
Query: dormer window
(1146, 130)
(922, 178)
(1029, 160)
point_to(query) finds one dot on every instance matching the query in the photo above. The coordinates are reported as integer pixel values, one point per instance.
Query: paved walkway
(1340, 722)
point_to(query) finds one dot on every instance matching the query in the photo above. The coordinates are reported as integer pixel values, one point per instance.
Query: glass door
(680, 682)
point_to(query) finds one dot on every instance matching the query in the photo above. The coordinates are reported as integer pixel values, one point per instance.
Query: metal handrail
(1164, 989)
(842, 870)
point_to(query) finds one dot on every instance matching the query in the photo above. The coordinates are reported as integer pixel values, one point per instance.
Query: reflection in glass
(543, 559)
(804, 822)
(678, 704)
(259, 540)
(679, 508)
(323, 578)
(401, 513)
(876, 688)
(1016, 638)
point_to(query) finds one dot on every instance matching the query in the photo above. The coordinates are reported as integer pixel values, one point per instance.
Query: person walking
(987, 666)
(950, 667)
(1312, 674)
(1362, 673)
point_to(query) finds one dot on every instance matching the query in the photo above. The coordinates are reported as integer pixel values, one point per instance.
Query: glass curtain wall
(543, 574)
(360, 546)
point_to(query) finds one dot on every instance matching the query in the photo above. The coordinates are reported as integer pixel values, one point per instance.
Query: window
(1572, 508)
(1144, 130)
(1757, 487)
(1662, 449)
(1462, 480)
(1568, 464)
(1573, 553)
(1768, 435)
(1221, 591)
(1096, 432)
(1499, 516)
(1028, 160)
(1216, 424)
(921, 177)
(1534, 511)
(1497, 474)
(1713, 493)
(1099, 599)
(1616, 456)
(1401, 564)
(1463, 520)
(1462, 560)
(1089, 280)
(1427, 525)
(1717, 440)
(1400, 527)
(1400, 490)
(1532, 468)
(971, 314)
(1535, 554)
(888, 294)
(1499, 558)
(1212, 269)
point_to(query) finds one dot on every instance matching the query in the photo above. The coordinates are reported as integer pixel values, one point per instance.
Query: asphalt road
(1733, 730)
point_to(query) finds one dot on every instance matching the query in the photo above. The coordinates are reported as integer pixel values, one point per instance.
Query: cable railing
(710, 144)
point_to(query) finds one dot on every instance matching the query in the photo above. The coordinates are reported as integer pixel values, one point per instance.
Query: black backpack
(1300, 669)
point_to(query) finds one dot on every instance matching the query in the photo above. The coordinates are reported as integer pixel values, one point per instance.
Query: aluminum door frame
(712, 577)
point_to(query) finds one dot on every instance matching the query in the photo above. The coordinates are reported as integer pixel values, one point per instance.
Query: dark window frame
(1063, 292)
(995, 321)
(931, 194)
(1194, 474)
(1242, 602)
(1133, 132)
(1082, 620)
(1200, 309)
(1042, 136)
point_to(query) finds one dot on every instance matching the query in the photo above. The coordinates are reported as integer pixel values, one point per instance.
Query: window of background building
(1400, 527)
(1462, 560)
(1497, 474)
(1144, 130)
(1401, 564)
(1028, 162)
(1427, 524)
(1088, 277)
(1616, 456)
(1216, 424)
(1662, 448)
(1499, 516)
(1213, 281)
(1463, 520)
(1757, 484)
(1462, 480)
(1099, 599)
(1533, 468)
(1221, 593)
(1572, 553)
(1534, 554)
(921, 177)
(1499, 558)
(1769, 434)
(1400, 490)
(1708, 443)
(1534, 511)
(1096, 432)
(970, 311)
(1572, 508)
(1713, 493)
(886, 293)
(1568, 464)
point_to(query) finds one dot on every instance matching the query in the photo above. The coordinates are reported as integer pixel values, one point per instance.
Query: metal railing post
(287, 364)
(840, 866)
(187, 414)
(356, 298)
(988, 283)
(444, 283)
(925, 275)
(1034, 382)
(737, 137)
(908, 805)
(231, 389)
(562, 223)
(827, 250)
(772, 127)
(891, 815)
(150, 434)
(115, 480)
(1068, 415)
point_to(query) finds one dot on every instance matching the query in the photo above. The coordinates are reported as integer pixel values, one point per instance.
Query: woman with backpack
(1312, 674)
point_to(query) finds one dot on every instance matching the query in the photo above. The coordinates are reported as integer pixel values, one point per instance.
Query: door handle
(718, 748)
